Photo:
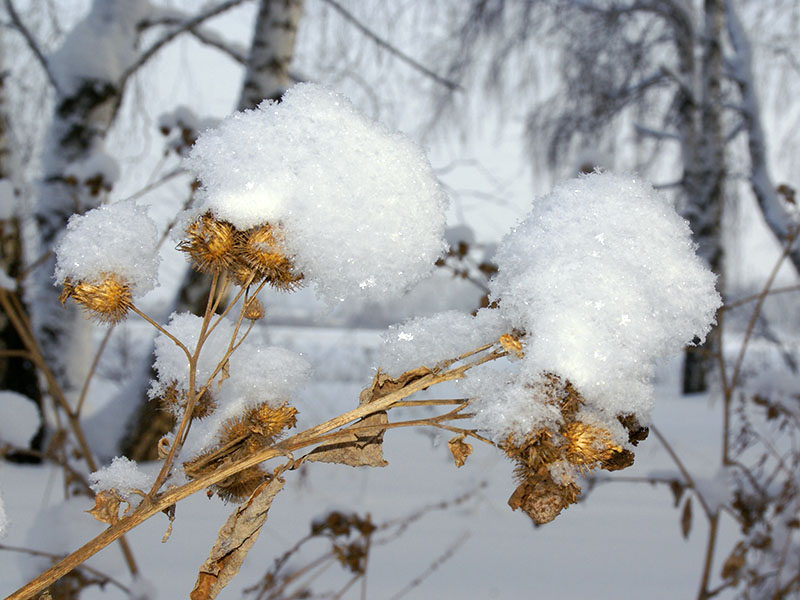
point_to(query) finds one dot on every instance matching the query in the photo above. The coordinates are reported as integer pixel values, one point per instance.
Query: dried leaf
(106, 506)
(383, 385)
(234, 541)
(676, 487)
(170, 512)
(459, 449)
(366, 450)
(734, 563)
(686, 518)
(356, 450)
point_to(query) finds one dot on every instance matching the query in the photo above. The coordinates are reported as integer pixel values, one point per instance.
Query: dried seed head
(543, 499)
(533, 452)
(589, 445)
(268, 421)
(174, 401)
(261, 250)
(205, 405)
(238, 487)
(254, 310)
(107, 302)
(233, 430)
(512, 344)
(210, 244)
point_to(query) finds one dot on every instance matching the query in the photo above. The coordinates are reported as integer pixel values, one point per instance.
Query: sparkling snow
(425, 341)
(117, 238)
(122, 475)
(603, 277)
(361, 208)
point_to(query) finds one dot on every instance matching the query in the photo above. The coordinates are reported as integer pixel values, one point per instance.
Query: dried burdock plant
(545, 486)
(210, 244)
(261, 255)
(240, 438)
(108, 301)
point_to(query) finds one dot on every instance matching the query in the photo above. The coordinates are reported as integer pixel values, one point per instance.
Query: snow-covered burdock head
(309, 188)
(107, 257)
(597, 283)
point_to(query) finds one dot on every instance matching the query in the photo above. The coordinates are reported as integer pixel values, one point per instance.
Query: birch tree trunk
(704, 175)
(267, 69)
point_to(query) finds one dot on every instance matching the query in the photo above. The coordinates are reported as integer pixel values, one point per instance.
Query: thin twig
(92, 570)
(16, 314)
(678, 463)
(444, 557)
(348, 16)
(32, 44)
(185, 27)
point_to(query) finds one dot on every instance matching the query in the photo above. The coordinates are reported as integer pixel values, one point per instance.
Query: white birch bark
(267, 67)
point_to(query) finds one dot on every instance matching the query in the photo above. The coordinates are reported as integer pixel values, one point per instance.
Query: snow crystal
(117, 238)
(19, 419)
(361, 208)
(429, 340)
(603, 277)
(171, 362)
(266, 374)
(122, 475)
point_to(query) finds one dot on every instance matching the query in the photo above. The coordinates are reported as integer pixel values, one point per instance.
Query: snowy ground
(623, 541)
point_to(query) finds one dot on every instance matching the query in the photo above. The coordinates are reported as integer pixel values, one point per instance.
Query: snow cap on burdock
(108, 256)
(602, 276)
(359, 210)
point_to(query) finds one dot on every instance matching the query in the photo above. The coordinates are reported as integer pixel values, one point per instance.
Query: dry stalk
(154, 502)
(16, 314)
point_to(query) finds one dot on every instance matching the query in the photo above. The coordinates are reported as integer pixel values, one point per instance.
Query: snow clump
(122, 475)
(269, 374)
(172, 364)
(425, 341)
(598, 282)
(119, 239)
(603, 279)
(359, 206)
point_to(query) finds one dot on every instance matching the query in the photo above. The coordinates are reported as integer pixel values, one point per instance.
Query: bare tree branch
(32, 43)
(348, 16)
(775, 213)
(186, 26)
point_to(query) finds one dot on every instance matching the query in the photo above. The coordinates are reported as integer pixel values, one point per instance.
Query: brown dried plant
(236, 466)
(107, 302)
